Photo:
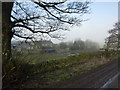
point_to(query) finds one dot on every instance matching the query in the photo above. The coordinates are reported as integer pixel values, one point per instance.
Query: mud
(93, 79)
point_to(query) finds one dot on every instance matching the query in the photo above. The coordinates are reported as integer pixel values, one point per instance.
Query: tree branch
(21, 20)
(22, 36)
(57, 17)
(30, 29)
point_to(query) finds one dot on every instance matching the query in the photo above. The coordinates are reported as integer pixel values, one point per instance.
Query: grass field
(35, 57)
(44, 69)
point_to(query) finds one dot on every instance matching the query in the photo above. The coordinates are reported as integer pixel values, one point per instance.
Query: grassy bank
(49, 72)
(35, 70)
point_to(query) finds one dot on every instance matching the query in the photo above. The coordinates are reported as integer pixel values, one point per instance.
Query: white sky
(102, 18)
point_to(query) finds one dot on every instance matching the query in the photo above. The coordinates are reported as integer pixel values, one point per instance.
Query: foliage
(63, 45)
(113, 40)
(17, 74)
(80, 46)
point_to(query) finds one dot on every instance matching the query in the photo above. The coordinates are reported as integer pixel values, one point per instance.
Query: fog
(102, 17)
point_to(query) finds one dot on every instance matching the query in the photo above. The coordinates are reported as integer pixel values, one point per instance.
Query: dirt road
(105, 76)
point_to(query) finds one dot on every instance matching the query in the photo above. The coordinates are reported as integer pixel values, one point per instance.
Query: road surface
(105, 76)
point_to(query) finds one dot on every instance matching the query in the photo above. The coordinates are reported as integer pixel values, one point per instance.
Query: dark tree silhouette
(113, 40)
(37, 17)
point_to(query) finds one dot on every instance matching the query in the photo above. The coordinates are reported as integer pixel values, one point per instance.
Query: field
(35, 57)
(42, 69)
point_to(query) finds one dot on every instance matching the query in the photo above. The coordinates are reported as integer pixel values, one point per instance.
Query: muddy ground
(93, 79)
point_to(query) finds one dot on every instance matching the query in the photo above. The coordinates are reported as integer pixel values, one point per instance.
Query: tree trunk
(6, 35)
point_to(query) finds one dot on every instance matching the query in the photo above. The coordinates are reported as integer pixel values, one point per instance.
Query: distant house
(21, 46)
(32, 45)
(48, 50)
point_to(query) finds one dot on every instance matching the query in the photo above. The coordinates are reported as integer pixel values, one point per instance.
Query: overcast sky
(102, 18)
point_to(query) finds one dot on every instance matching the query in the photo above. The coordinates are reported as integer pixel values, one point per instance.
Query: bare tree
(29, 20)
(113, 40)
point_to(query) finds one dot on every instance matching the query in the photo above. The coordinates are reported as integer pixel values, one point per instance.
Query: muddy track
(93, 79)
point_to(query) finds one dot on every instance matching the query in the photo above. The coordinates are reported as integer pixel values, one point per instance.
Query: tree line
(79, 45)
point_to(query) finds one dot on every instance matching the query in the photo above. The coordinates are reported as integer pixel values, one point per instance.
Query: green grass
(35, 57)
(66, 72)
(45, 69)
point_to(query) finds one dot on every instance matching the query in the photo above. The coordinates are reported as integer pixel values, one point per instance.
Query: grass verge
(49, 72)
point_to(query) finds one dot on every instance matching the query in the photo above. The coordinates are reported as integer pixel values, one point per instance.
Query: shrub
(17, 72)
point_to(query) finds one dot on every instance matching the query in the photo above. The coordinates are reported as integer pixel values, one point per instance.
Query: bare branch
(23, 9)
(55, 3)
(22, 36)
(48, 16)
(26, 19)
(19, 25)
(57, 17)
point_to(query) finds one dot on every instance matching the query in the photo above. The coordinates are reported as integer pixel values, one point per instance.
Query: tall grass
(53, 66)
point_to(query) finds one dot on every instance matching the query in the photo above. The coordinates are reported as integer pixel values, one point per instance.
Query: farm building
(32, 45)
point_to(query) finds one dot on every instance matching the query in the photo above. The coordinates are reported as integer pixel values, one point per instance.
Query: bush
(19, 70)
